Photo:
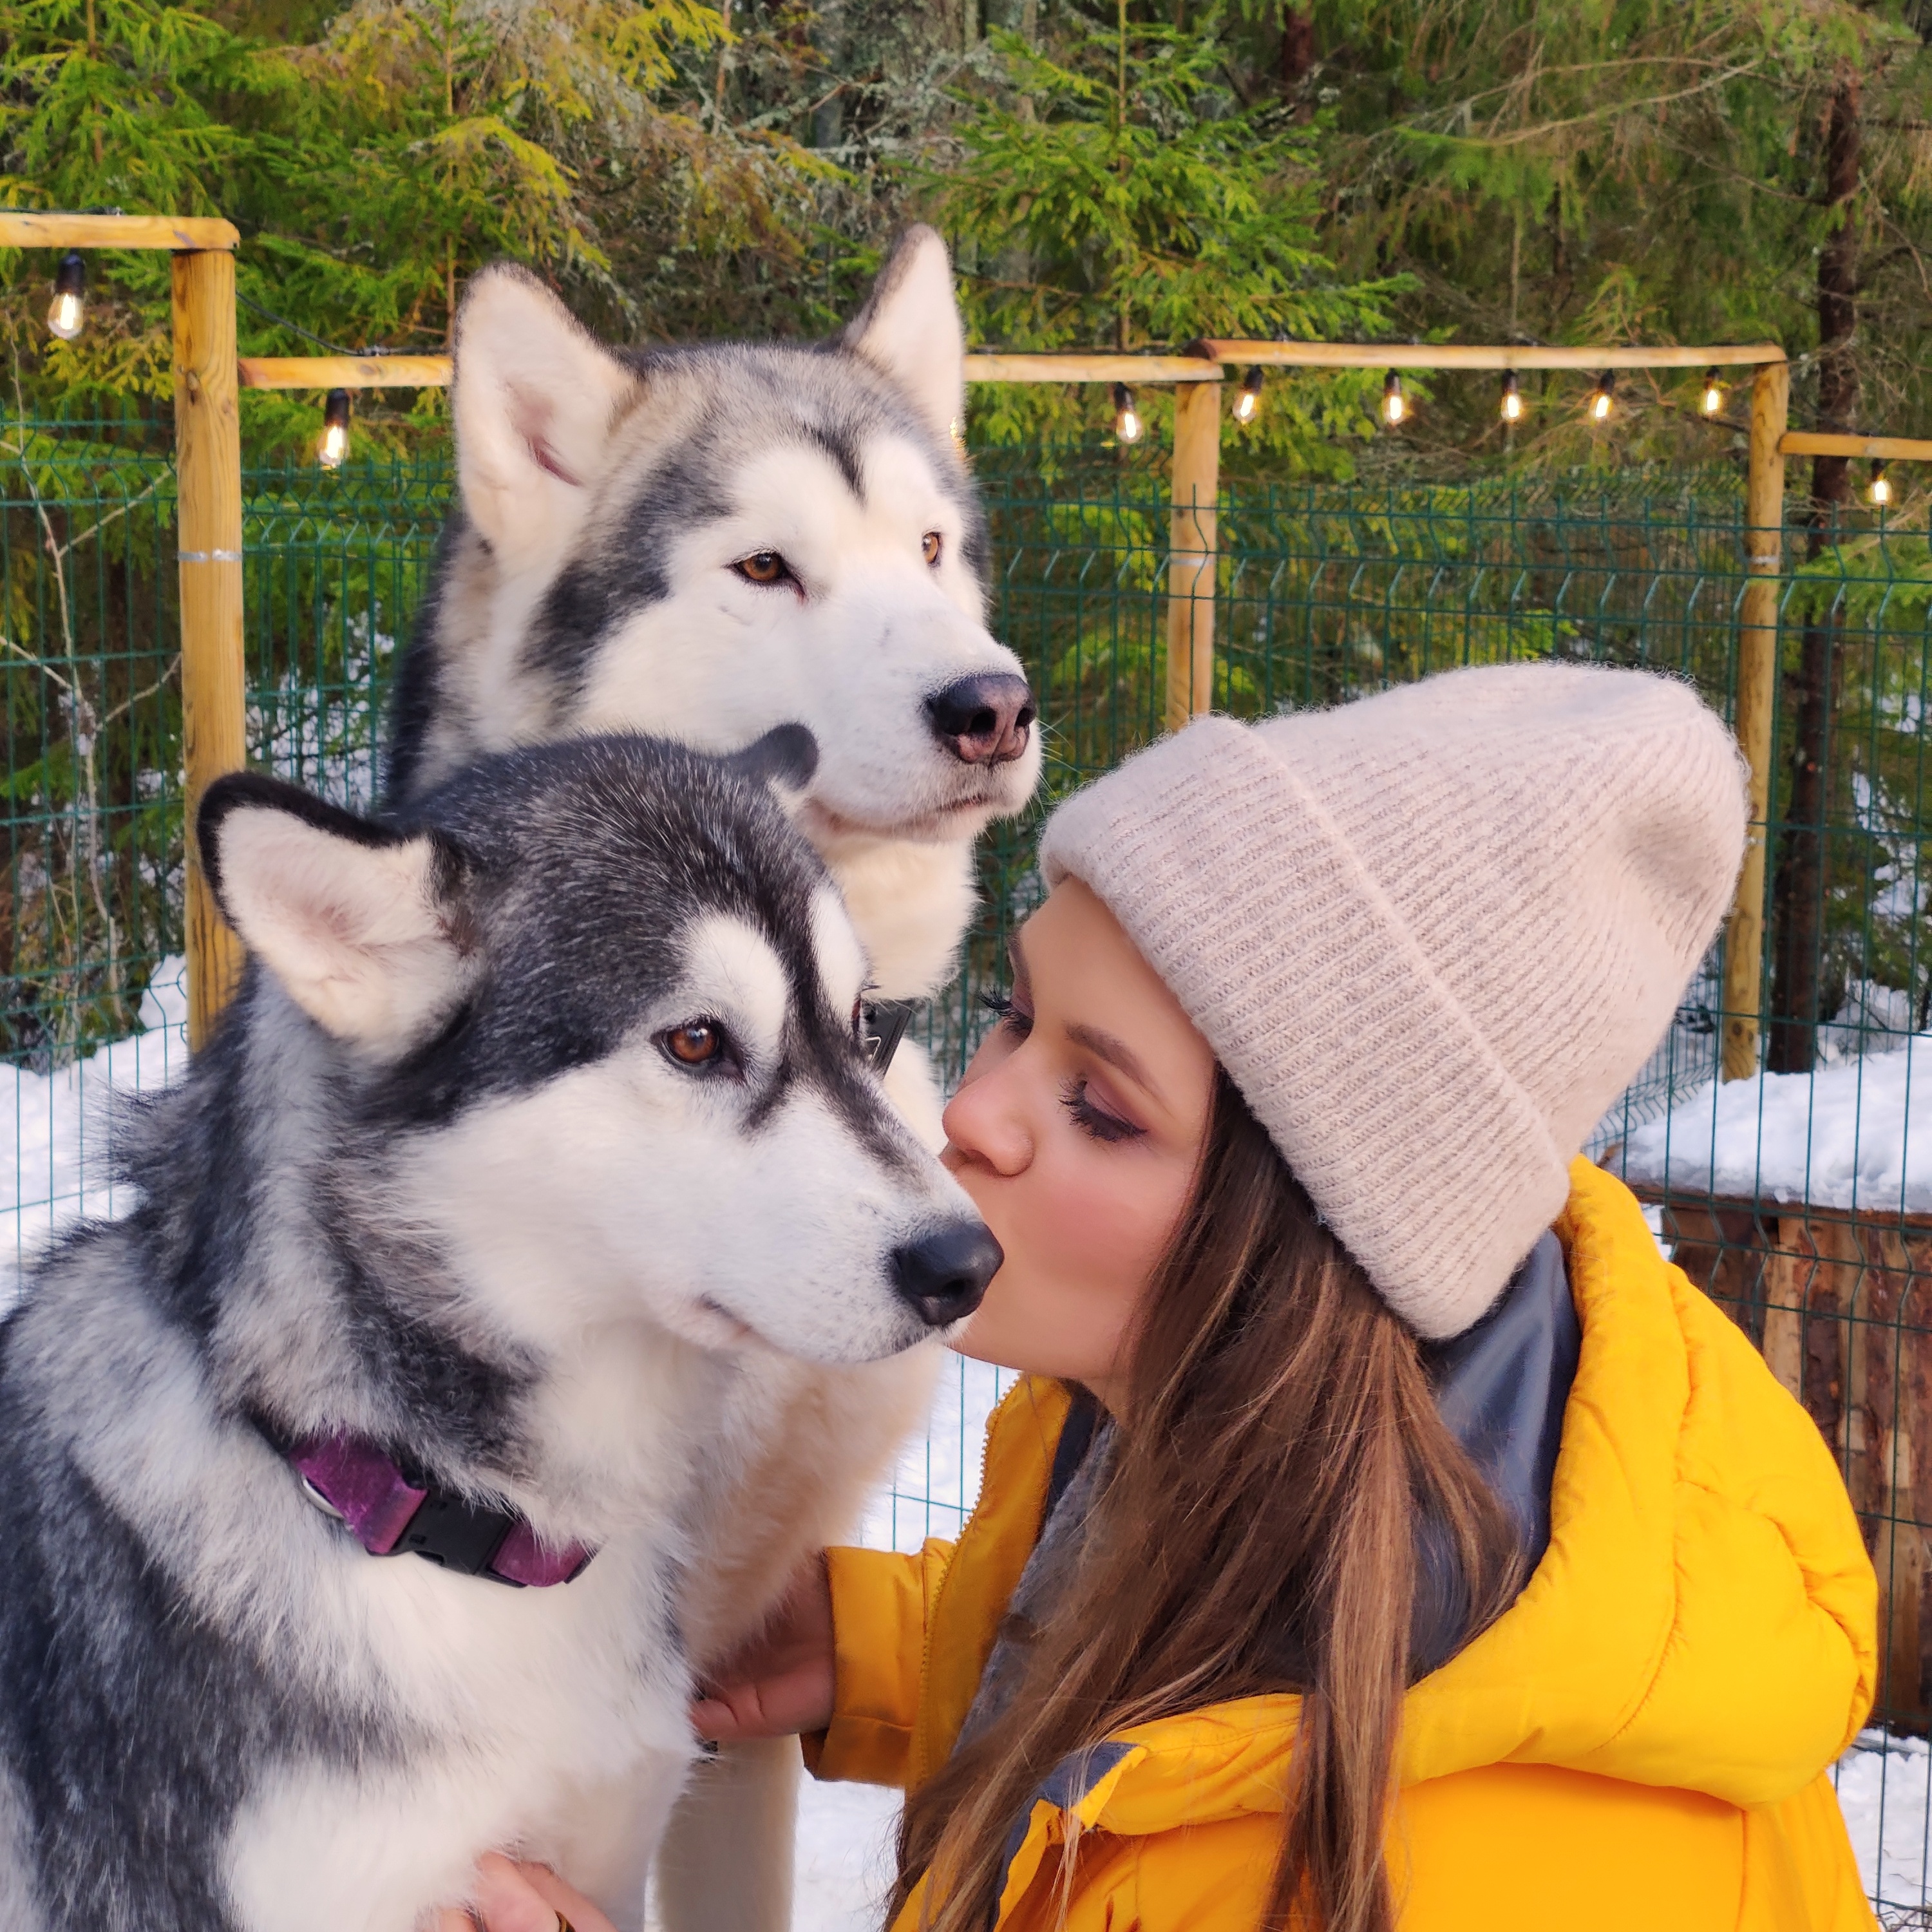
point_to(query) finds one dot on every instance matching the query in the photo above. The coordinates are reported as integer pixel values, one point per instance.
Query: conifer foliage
(1110, 172)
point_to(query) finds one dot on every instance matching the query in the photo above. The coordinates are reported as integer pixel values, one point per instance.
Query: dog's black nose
(944, 1274)
(983, 720)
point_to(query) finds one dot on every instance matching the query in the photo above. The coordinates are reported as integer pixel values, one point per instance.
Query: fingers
(779, 1706)
(781, 1681)
(508, 1901)
(714, 1722)
(576, 1909)
(512, 1897)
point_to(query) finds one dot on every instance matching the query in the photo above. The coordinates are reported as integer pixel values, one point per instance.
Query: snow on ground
(58, 1125)
(1883, 1792)
(1858, 1134)
(844, 1868)
(56, 1168)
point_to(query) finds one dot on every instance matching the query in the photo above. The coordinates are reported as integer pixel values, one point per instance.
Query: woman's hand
(523, 1898)
(781, 1681)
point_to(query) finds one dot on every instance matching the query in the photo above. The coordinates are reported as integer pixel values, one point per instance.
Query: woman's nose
(986, 1127)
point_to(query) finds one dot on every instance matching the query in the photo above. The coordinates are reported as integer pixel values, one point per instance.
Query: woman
(1384, 1531)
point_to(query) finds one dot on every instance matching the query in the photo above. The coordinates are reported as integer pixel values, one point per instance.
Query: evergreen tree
(1107, 188)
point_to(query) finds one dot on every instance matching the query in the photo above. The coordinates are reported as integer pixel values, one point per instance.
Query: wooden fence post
(208, 459)
(1757, 696)
(1192, 552)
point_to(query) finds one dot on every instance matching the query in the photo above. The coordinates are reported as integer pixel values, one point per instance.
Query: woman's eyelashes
(1097, 1122)
(1093, 1119)
(1011, 1018)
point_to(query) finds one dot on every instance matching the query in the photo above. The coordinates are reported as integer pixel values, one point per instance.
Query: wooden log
(1756, 697)
(1720, 1246)
(432, 372)
(19, 229)
(1891, 1383)
(1150, 371)
(208, 458)
(1466, 356)
(1847, 1328)
(345, 372)
(1878, 449)
(1879, 1428)
(1192, 551)
(1784, 1283)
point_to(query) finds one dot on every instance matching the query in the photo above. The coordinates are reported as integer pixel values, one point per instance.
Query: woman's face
(1076, 1132)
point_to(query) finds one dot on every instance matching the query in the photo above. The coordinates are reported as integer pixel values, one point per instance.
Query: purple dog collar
(352, 1480)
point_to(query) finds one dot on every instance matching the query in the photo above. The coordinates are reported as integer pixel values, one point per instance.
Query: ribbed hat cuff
(1319, 1003)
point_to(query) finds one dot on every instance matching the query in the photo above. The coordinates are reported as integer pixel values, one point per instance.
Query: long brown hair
(1256, 1532)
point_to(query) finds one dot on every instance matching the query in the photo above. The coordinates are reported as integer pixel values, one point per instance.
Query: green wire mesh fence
(1800, 1199)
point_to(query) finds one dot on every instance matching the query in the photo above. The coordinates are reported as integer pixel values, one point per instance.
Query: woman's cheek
(1107, 1219)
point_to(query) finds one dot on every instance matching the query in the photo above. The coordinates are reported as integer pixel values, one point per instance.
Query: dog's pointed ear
(359, 923)
(785, 758)
(909, 329)
(534, 397)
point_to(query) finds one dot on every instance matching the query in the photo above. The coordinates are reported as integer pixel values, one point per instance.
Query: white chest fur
(548, 1722)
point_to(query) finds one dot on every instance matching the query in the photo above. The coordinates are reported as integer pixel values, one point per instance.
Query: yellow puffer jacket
(1640, 1742)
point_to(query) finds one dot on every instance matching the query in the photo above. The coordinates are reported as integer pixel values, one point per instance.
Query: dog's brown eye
(695, 1042)
(932, 544)
(763, 566)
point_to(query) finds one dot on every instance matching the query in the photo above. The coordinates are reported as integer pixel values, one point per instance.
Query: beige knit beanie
(1431, 935)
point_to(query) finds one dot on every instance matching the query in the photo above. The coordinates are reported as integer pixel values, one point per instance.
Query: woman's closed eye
(1093, 1119)
(1011, 1018)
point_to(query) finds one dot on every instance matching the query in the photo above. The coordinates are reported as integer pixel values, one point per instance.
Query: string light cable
(309, 335)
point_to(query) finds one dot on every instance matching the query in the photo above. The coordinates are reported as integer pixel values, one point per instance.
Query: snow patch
(58, 1126)
(1858, 1134)
(1882, 1791)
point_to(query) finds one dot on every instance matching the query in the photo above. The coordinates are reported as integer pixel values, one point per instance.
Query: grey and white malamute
(542, 1111)
(704, 543)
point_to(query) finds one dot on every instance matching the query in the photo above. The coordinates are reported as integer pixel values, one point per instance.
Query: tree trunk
(1297, 49)
(1812, 693)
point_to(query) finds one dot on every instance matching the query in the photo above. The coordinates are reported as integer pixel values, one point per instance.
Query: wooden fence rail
(209, 454)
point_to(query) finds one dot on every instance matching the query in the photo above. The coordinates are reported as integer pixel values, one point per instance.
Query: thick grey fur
(136, 1712)
(702, 413)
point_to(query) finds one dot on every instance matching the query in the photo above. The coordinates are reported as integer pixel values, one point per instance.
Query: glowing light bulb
(1510, 407)
(1395, 404)
(68, 313)
(1714, 393)
(1248, 398)
(1599, 399)
(1881, 486)
(1126, 418)
(334, 446)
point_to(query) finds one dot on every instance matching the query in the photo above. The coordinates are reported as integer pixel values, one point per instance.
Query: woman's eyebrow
(1116, 1052)
(1016, 959)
